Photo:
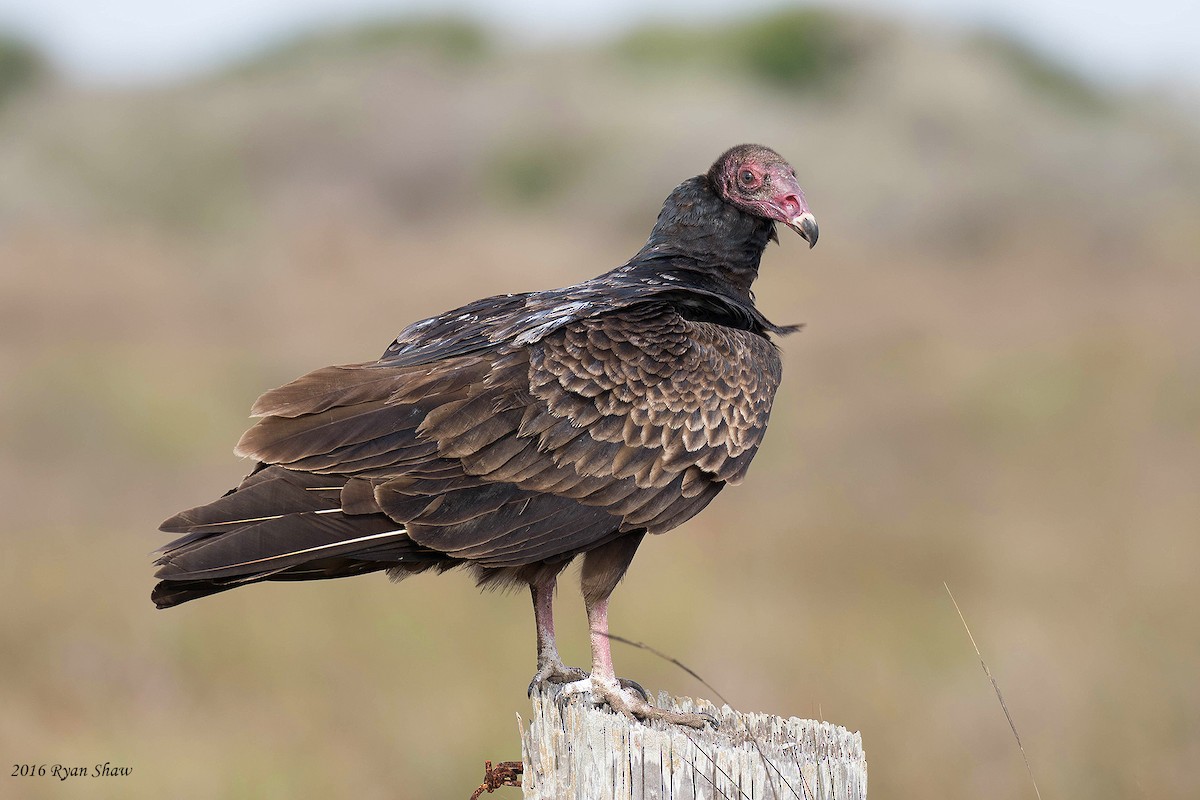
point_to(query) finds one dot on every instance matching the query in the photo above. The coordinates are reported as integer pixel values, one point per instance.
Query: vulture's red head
(757, 180)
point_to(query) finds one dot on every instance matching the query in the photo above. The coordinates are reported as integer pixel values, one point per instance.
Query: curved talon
(626, 683)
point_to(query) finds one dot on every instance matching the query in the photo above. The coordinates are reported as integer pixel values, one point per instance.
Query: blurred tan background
(998, 388)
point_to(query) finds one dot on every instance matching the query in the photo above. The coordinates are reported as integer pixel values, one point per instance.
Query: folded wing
(503, 456)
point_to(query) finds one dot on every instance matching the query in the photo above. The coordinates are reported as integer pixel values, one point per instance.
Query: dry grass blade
(757, 745)
(697, 771)
(999, 696)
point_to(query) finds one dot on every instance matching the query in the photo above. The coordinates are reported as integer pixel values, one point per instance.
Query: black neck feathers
(698, 232)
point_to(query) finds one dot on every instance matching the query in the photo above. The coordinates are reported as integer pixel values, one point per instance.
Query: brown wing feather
(674, 397)
(625, 421)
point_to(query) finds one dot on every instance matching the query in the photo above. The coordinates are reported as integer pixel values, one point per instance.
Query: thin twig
(999, 696)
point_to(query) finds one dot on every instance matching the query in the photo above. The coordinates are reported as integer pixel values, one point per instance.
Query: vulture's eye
(747, 178)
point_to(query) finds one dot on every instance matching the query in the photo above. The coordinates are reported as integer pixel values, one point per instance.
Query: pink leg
(550, 666)
(623, 696)
(543, 617)
(602, 664)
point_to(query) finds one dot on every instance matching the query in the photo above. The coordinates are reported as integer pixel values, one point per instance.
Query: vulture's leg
(551, 669)
(603, 568)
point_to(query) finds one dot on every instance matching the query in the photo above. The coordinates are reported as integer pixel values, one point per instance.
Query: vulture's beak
(806, 225)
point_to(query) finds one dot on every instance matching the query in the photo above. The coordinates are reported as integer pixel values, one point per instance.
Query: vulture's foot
(555, 672)
(628, 698)
(559, 673)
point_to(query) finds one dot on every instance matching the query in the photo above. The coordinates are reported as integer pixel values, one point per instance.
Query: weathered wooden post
(574, 751)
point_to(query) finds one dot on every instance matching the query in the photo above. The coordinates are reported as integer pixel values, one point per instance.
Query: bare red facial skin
(758, 180)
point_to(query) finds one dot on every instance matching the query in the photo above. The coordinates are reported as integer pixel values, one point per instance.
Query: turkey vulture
(520, 431)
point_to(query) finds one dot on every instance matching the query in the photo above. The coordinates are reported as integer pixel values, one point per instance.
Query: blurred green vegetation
(806, 49)
(163, 170)
(534, 172)
(21, 65)
(998, 386)
(456, 39)
(1042, 73)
